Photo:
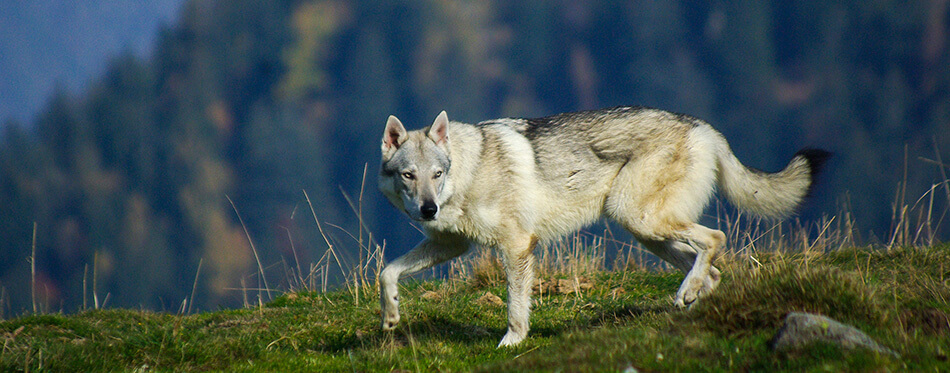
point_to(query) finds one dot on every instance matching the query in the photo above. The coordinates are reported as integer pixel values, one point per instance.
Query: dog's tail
(773, 195)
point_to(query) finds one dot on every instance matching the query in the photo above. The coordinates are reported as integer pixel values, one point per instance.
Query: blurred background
(134, 134)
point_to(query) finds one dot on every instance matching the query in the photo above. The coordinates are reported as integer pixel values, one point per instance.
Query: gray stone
(803, 328)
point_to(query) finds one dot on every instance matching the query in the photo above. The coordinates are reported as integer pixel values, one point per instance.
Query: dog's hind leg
(518, 258)
(702, 278)
(691, 250)
(427, 254)
(711, 281)
(659, 196)
(682, 256)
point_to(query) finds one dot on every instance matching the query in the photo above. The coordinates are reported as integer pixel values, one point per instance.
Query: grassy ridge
(592, 321)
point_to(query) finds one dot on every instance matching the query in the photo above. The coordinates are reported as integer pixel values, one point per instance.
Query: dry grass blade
(253, 248)
(329, 250)
(194, 288)
(33, 270)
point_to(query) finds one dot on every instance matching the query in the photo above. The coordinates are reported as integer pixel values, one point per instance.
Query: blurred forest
(259, 101)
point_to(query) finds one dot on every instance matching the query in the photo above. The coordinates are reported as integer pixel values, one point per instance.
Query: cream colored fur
(512, 183)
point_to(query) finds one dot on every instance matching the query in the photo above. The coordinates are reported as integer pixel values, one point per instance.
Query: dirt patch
(562, 286)
(431, 295)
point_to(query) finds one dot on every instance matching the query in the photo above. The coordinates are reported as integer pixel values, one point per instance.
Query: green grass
(626, 319)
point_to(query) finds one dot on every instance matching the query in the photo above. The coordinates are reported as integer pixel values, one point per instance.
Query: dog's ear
(393, 137)
(439, 132)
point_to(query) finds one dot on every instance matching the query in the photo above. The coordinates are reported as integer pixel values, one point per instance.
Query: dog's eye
(438, 174)
(408, 175)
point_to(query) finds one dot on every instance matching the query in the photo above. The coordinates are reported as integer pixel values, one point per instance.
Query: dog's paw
(684, 301)
(689, 291)
(511, 339)
(390, 320)
(692, 291)
(389, 310)
(679, 302)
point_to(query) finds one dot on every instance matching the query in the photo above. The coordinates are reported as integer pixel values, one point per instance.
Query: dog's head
(415, 167)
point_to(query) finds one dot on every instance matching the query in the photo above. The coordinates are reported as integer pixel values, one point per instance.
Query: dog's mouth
(421, 217)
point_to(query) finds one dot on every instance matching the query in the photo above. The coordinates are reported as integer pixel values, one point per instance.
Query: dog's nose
(428, 210)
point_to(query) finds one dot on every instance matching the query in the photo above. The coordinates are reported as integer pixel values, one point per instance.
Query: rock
(802, 328)
(490, 299)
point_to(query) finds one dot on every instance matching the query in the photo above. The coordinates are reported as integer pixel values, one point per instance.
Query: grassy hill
(586, 318)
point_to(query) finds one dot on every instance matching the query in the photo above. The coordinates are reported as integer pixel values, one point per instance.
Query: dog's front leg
(389, 297)
(426, 254)
(519, 267)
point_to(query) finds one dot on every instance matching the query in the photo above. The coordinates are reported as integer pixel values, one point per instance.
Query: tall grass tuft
(759, 297)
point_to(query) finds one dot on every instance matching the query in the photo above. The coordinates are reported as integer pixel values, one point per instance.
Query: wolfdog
(512, 183)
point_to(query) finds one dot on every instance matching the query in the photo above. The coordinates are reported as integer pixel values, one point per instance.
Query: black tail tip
(816, 159)
(816, 162)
